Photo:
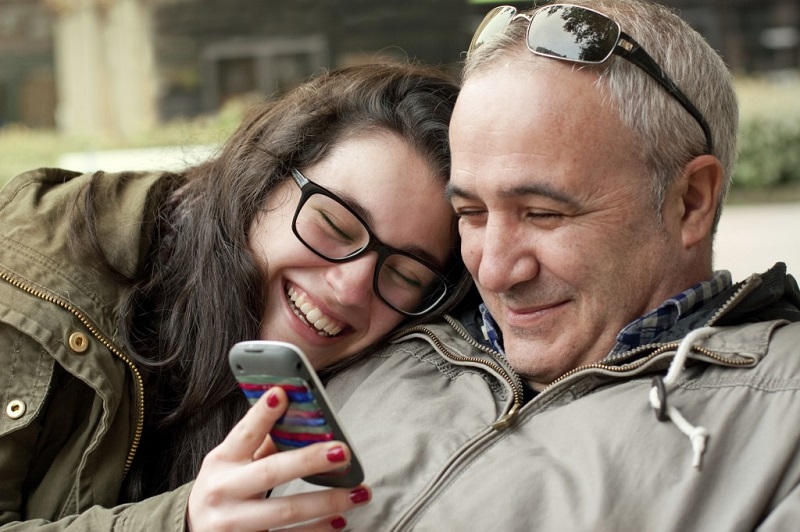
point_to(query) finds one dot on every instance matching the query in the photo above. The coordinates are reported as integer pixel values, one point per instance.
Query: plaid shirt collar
(644, 330)
(647, 328)
(491, 332)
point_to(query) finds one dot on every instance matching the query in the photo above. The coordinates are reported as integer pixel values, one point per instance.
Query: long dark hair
(201, 290)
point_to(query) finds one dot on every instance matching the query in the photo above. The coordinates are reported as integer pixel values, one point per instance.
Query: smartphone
(258, 365)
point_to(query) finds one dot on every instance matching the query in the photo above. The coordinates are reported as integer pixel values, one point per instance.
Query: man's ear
(701, 183)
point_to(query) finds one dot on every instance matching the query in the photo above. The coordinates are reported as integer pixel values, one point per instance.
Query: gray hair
(670, 136)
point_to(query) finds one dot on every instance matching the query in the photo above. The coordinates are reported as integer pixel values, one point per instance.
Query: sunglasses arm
(633, 52)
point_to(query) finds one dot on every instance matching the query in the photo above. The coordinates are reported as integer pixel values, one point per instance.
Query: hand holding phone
(259, 365)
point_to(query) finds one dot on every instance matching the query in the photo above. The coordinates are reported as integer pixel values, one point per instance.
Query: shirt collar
(646, 328)
(491, 332)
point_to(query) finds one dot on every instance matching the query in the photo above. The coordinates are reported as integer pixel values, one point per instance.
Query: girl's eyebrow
(354, 205)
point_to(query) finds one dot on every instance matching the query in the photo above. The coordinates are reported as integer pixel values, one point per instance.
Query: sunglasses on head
(582, 35)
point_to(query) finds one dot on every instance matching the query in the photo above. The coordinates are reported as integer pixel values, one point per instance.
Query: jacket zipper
(749, 285)
(513, 381)
(139, 382)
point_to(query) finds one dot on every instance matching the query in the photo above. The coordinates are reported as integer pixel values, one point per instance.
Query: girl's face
(330, 310)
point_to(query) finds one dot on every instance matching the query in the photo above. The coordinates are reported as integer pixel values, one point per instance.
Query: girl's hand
(230, 489)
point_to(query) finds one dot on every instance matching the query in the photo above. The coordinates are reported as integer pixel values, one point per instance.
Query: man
(615, 381)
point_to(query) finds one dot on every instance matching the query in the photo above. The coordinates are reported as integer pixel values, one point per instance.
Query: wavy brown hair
(201, 290)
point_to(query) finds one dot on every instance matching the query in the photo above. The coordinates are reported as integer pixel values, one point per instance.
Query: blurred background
(130, 84)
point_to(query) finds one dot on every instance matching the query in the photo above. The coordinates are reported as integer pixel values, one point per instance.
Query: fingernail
(336, 454)
(359, 495)
(338, 523)
(272, 399)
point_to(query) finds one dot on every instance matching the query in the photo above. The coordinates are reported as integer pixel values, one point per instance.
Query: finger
(333, 522)
(267, 448)
(250, 433)
(284, 511)
(281, 467)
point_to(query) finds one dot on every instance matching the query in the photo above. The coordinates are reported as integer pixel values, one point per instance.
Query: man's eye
(544, 214)
(469, 213)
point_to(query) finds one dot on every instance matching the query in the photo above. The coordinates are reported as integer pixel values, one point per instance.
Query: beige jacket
(446, 444)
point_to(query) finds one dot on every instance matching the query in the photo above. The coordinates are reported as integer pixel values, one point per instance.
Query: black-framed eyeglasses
(332, 230)
(582, 35)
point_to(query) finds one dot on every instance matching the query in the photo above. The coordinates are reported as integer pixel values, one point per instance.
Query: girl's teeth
(312, 315)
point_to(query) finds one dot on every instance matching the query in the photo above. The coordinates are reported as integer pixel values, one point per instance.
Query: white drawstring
(697, 435)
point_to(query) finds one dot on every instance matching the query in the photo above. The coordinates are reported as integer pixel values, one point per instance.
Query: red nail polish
(272, 400)
(359, 495)
(335, 454)
(338, 523)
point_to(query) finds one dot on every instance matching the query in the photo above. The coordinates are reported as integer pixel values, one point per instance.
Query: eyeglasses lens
(409, 285)
(329, 228)
(334, 232)
(492, 24)
(572, 33)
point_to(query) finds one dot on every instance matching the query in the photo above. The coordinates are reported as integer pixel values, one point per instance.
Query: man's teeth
(312, 315)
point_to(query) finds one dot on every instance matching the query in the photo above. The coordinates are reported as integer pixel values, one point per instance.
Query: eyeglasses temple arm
(633, 52)
(299, 178)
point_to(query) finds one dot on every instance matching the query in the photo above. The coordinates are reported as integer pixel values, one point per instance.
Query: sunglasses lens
(573, 33)
(492, 24)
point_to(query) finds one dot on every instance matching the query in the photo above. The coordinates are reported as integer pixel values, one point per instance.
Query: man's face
(556, 217)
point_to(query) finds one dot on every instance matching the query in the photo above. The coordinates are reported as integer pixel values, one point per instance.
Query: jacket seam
(428, 354)
(52, 267)
(762, 385)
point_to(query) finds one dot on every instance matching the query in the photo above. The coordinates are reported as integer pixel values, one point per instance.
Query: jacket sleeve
(165, 512)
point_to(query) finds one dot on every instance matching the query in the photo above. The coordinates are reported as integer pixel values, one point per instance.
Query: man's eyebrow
(365, 215)
(532, 189)
(454, 191)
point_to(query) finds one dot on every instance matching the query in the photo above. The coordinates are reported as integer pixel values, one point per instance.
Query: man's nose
(507, 256)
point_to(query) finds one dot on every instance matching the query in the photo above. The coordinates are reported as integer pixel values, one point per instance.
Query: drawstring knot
(698, 436)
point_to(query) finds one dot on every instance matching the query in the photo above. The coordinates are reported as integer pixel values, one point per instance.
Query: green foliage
(769, 153)
(769, 133)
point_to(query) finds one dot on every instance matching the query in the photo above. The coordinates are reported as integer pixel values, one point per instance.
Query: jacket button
(15, 409)
(78, 342)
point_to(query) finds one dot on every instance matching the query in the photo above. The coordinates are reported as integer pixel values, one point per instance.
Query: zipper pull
(508, 419)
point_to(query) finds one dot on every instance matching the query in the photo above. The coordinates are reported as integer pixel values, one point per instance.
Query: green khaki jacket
(71, 400)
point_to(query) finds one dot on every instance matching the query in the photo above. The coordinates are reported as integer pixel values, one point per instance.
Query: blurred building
(27, 76)
(120, 66)
(212, 50)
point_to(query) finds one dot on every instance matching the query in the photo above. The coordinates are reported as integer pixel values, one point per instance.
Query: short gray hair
(670, 136)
